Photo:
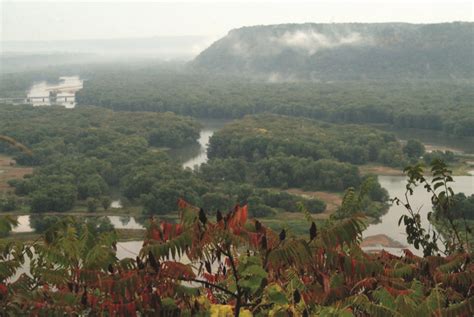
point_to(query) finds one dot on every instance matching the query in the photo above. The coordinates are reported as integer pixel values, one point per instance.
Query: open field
(9, 171)
(380, 170)
(332, 200)
(461, 168)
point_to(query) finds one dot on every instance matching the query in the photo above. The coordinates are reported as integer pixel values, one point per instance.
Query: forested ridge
(344, 51)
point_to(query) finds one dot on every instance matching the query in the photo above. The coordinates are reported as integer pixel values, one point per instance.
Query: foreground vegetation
(231, 266)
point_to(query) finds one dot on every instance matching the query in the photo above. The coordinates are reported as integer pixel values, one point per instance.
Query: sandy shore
(381, 240)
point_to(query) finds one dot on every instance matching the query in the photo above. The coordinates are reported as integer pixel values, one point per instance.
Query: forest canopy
(82, 156)
(264, 136)
(434, 105)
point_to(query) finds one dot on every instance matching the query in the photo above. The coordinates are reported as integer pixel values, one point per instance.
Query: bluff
(344, 51)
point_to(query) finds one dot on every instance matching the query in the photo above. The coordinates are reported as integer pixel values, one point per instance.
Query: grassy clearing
(332, 200)
(380, 170)
(461, 168)
(8, 171)
(294, 221)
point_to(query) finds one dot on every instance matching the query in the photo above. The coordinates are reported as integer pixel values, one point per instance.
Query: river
(395, 185)
(388, 225)
(118, 222)
(194, 155)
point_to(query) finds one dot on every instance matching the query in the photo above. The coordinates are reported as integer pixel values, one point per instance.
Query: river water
(194, 155)
(388, 225)
(119, 222)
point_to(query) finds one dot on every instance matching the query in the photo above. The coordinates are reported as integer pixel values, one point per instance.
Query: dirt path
(9, 171)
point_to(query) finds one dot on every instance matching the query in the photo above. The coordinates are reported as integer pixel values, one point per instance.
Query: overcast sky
(44, 20)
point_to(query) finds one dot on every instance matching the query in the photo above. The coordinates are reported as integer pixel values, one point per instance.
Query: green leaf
(276, 295)
(255, 271)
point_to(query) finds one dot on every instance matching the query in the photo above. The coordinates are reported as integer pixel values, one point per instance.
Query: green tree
(414, 149)
(55, 197)
(105, 201)
(92, 204)
(8, 202)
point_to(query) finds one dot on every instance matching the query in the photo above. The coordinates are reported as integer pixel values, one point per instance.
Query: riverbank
(131, 211)
(431, 139)
(381, 241)
(122, 235)
(462, 168)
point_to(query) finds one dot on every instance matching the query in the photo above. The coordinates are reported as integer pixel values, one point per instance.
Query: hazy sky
(45, 20)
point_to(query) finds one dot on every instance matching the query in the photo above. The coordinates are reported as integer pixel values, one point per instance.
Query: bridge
(23, 99)
(52, 96)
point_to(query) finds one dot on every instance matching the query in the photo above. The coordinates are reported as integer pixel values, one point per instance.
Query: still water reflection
(195, 155)
(395, 185)
(32, 223)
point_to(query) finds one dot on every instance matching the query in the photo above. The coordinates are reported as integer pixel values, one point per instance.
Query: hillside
(348, 51)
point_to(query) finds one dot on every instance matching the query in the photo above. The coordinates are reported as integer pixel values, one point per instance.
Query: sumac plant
(443, 204)
(230, 266)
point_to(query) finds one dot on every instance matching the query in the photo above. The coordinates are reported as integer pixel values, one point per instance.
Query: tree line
(434, 105)
(264, 136)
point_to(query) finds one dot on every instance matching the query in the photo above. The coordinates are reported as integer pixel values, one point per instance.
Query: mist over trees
(344, 51)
